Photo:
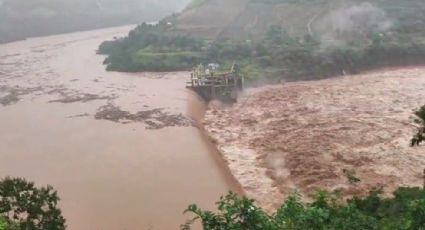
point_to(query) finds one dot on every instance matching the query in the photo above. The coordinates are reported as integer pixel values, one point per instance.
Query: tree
(405, 210)
(234, 213)
(420, 136)
(27, 207)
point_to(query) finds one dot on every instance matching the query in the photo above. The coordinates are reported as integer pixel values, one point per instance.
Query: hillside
(278, 39)
(20, 19)
(252, 18)
(243, 19)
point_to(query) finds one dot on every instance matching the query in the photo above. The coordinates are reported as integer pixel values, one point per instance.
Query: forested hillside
(290, 39)
(20, 19)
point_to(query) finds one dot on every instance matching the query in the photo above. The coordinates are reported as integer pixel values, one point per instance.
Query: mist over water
(352, 23)
(20, 19)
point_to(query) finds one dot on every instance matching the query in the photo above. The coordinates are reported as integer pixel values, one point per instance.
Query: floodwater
(302, 136)
(112, 172)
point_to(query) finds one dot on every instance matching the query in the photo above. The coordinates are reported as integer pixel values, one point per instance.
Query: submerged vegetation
(420, 136)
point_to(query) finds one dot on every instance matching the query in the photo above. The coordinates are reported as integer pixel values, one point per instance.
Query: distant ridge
(21, 19)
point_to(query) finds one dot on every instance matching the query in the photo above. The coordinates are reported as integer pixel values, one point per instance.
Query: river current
(122, 149)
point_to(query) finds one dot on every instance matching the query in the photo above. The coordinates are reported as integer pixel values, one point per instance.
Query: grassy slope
(246, 18)
(251, 18)
(209, 18)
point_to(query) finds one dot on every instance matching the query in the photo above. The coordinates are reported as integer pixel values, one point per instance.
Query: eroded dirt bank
(302, 136)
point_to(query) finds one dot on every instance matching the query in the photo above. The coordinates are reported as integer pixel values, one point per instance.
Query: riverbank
(302, 136)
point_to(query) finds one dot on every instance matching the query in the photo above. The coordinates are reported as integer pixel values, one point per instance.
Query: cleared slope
(210, 18)
(249, 19)
(245, 18)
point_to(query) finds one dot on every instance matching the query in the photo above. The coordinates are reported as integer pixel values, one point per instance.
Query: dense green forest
(372, 36)
(20, 19)
(156, 50)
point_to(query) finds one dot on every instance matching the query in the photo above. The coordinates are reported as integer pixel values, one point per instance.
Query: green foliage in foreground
(24, 206)
(420, 136)
(406, 210)
(3, 224)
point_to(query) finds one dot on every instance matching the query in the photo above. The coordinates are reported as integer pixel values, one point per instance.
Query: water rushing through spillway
(121, 149)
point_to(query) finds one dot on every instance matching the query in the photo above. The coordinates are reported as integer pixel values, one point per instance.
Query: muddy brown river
(122, 149)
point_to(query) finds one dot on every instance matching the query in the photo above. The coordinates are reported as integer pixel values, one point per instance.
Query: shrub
(3, 224)
(405, 210)
(27, 207)
(419, 137)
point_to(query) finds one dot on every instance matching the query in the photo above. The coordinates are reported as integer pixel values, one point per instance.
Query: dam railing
(210, 84)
